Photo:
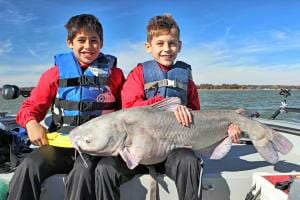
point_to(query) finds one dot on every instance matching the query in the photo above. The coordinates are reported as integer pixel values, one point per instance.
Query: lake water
(263, 101)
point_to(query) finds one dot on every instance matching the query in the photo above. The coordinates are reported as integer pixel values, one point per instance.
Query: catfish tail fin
(278, 143)
(281, 143)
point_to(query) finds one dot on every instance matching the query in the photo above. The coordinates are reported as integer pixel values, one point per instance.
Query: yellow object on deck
(58, 140)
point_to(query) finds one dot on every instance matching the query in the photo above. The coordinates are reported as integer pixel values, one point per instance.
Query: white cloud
(234, 66)
(214, 63)
(280, 35)
(32, 52)
(5, 47)
(26, 76)
(211, 64)
(269, 41)
(247, 75)
(129, 55)
(13, 15)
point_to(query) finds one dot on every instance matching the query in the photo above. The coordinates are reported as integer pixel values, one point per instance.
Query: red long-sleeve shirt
(42, 96)
(133, 91)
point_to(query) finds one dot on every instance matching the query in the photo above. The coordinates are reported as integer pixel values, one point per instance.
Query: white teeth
(89, 53)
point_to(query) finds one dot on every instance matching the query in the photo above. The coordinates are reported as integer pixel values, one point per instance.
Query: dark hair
(84, 21)
(162, 24)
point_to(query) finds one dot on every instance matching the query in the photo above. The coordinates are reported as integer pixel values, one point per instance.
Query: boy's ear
(69, 43)
(180, 45)
(148, 47)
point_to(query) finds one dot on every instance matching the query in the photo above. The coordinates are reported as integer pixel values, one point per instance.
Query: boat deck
(228, 179)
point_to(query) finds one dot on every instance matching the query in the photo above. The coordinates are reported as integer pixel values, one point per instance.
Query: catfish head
(101, 136)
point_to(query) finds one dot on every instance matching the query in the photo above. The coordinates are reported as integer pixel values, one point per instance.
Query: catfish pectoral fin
(222, 149)
(130, 159)
(217, 150)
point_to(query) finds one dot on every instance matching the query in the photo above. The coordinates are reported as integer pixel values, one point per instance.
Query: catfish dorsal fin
(168, 104)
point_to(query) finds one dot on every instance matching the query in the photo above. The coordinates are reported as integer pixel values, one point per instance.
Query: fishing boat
(230, 178)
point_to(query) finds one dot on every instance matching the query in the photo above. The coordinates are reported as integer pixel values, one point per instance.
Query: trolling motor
(13, 92)
(10, 92)
(284, 106)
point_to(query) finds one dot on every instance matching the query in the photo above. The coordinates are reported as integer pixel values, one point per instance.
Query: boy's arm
(133, 90)
(193, 96)
(116, 81)
(182, 113)
(36, 106)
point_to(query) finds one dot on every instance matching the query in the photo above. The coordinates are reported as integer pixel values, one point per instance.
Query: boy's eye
(173, 43)
(81, 40)
(94, 41)
(160, 43)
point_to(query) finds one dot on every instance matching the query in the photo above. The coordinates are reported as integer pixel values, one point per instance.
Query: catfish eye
(86, 139)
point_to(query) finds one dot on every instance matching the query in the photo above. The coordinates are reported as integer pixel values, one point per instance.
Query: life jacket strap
(165, 83)
(84, 81)
(65, 129)
(85, 106)
(73, 120)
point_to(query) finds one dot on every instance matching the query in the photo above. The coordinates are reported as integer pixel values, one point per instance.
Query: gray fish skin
(147, 134)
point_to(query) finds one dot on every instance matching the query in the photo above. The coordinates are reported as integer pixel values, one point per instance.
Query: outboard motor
(13, 91)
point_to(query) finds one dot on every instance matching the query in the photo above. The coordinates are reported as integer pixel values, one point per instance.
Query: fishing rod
(284, 106)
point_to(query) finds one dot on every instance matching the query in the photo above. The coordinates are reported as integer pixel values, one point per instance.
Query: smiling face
(164, 48)
(86, 46)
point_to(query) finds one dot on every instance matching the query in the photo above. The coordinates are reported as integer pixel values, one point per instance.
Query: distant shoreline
(246, 87)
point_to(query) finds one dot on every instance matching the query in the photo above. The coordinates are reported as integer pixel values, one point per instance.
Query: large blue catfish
(147, 134)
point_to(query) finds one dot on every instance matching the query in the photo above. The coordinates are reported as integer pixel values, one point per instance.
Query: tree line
(246, 87)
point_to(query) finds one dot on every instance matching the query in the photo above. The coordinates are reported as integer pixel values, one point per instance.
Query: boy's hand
(234, 132)
(183, 115)
(36, 133)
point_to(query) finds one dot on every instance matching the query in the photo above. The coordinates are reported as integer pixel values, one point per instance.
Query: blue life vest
(166, 84)
(81, 96)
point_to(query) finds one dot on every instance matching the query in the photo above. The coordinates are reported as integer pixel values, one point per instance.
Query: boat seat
(53, 188)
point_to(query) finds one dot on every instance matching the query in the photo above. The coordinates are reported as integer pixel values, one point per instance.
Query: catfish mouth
(78, 148)
(108, 150)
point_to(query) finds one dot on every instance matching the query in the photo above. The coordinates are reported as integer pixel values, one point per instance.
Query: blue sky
(228, 41)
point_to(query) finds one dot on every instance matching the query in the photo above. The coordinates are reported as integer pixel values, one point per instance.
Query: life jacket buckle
(81, 106)
(83, 80)
(168, 83)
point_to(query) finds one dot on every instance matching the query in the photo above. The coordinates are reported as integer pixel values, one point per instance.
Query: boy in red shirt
(83, 84)
(148, 83)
